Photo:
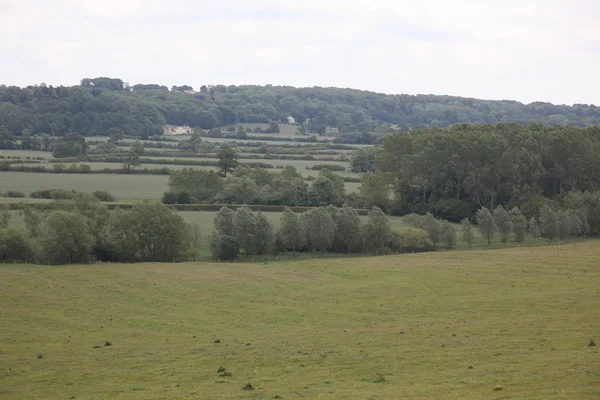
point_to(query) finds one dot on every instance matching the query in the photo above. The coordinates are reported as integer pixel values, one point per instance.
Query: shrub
(103, 195)
(224, 247)
(409, 239)
(13, 193)
(177, 197)
(13, 245)
(331, 167)
(55, 194)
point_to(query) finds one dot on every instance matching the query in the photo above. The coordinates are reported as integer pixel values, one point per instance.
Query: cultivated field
(507, 324)
(124, 187)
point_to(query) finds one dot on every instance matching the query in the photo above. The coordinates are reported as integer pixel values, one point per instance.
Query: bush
(331, 167)
(13, 193)
(408, 239)
(13, 245)
(55, 194)
(224, 247)
(103, 195)
(176, 197)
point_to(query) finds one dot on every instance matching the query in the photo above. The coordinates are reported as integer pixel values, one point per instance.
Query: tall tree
(264, 233)
(448, 234)
(503, 223)
(348, 229)
(322, 192)
(4, 216)
(224, 222)
(377, 229)
(319, 228)
(486, 224)
(291, 231)
(227, 160)
(66, 238)
(534, 228)
(245, 229)
(466, 230)
(548, 223)
(202, 185)
(519, 223)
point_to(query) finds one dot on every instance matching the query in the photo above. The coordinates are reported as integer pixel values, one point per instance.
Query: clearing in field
(509, 324)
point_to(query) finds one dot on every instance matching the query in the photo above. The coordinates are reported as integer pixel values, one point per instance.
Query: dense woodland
(455, 171)
(103, 105)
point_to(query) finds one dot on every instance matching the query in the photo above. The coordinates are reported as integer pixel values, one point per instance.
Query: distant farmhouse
(176, 130)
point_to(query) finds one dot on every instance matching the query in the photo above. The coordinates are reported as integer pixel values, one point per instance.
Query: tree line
(242, 185)
(106, 105)
(455, 171)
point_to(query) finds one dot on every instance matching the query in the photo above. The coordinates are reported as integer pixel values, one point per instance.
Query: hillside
(512, 323)
(100, 105)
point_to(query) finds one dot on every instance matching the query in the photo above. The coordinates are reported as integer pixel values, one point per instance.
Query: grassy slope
(315, 329)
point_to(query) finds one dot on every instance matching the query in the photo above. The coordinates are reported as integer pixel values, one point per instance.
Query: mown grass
(123, 187)
(371, 328)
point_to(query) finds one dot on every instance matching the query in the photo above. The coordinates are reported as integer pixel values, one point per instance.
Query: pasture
(123, 187)
(508, 324)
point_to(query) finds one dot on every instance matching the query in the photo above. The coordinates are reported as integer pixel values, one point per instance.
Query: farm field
(123, 187)
(508, 324)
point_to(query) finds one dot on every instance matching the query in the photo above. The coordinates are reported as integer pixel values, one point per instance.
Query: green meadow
(497, 324)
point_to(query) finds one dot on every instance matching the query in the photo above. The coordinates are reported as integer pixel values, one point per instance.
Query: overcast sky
(525, 50)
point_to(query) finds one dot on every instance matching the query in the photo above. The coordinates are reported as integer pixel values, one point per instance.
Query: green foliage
(448, 234)
(362, 160)
(587, 205)
(408, 239)
(71, 145)
(486, 224)
(377, 230)
(227, 160)
(485, 165)
(273, 127)
(14, 245)
(66, 238)
(99, 105)
(263, 236)
(245, 229)
(319, 228)
(503, 222)
(201, 185)
(548, 223)
(224, 223)
(519, 224)
(4, 216)
(534, 228)
(428, 223)
(291, 232)
(348, 232)
(147, 232)
(103, 195)
(375, 190)
(466, 231)
(322, 192)
(330, 167)
(55, 194)
(13, 193)
(224, 247)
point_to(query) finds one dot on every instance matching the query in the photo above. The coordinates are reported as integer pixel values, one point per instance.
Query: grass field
(452, 325)
(124, 187)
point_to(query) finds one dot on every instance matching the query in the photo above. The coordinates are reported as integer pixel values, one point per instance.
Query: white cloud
(499, 49)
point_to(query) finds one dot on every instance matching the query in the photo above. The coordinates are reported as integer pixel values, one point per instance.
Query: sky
(524, 50)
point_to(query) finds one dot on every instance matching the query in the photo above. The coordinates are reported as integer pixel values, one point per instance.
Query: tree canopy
(98, 105)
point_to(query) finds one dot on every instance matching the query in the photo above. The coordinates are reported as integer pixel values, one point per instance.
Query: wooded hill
(103, 105)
